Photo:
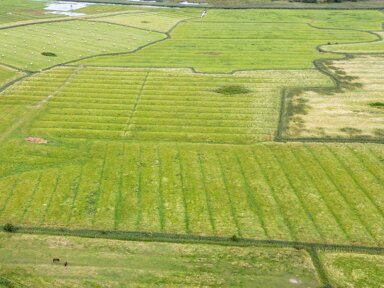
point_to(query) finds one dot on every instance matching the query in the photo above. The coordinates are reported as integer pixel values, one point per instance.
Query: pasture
(320, 114)
(26, 260)
(175, 131)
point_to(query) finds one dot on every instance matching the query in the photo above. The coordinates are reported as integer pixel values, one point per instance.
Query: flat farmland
(267, 191)
(249, 41)
(207, 133)
(23, 46)
(161, 105)
(355, 111)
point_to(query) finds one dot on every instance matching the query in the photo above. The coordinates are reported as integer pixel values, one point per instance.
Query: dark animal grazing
(55, 260)
(66, 264)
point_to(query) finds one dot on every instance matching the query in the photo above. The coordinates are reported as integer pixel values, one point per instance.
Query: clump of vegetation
(351, 131)
(48, 54)
(377, 104)
(232, 90)
(235, 238)
(10, 228)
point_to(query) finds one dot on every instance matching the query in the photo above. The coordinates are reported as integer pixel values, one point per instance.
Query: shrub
(232, 90)
(10, 228)
(48, 54)
(234, 238)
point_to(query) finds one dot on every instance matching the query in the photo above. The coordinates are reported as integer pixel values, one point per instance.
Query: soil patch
(36, 140)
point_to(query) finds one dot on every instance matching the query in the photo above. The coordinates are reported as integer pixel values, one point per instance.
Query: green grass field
(217, 43)
(147, 264)
(175, 132)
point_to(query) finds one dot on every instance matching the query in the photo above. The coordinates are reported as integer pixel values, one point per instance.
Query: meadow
(147, 264)
(256, 41)
(175, 131)
(362, 91)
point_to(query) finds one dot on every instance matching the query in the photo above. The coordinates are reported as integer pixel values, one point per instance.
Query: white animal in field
(204, 13)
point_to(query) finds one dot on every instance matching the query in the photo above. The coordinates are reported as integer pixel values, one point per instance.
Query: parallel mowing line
(53, 192)
(272, 189)
(230, 202)
(31, 198)
(100, 185)
(353, 209)
(30, 115)
(380, 163)
(298, 195)
(10, 194)
(160, 199)
(365, 166)
(352, 176)
(207, 198)
(251, 199)
(181, 171)
(76, 192)
(117, 216)
(129, 122)
(138, 191)
(320, 193)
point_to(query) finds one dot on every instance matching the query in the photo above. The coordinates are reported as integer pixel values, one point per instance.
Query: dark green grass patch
(377, 104)
(232, 90)
(48, 54)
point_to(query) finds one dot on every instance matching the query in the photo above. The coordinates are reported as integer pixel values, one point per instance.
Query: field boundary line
(129, 124)
(319, 267)
(190, 238)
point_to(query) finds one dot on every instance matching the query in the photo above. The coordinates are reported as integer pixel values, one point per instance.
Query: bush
(10, 228)
(49, 54)
(232, 90)
(234, 238)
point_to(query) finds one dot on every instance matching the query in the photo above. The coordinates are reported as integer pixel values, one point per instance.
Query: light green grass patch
(354, 270)
(22, 46)
(7, 74)
(168, 105)
(153, 21)
(27, 259)
(210, 46)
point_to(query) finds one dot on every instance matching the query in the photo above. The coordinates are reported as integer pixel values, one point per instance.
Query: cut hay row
(261, 192)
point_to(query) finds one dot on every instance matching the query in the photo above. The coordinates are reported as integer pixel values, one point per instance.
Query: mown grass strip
(340, 191)
(321, 192)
